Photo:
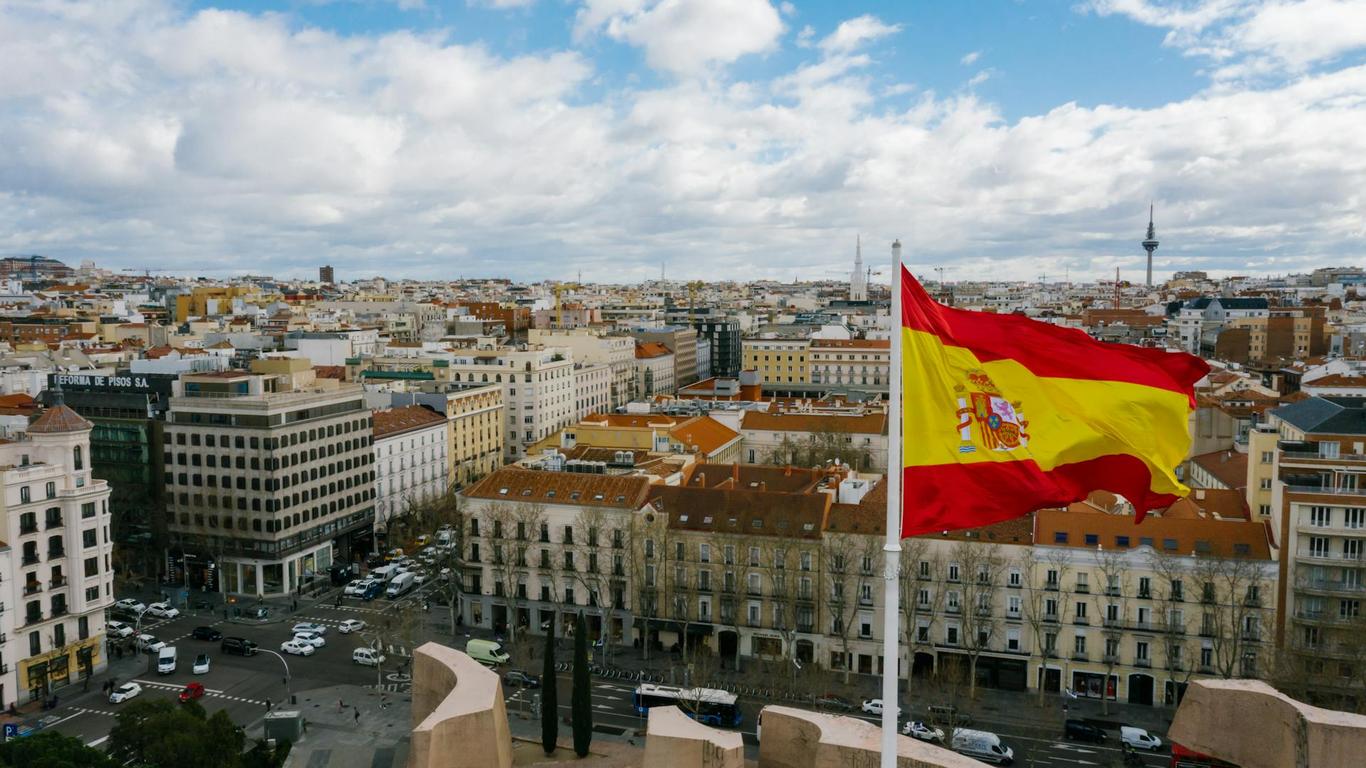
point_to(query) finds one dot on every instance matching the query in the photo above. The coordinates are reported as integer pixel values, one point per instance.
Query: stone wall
(675, 740)
(459, 720)
(796, 738)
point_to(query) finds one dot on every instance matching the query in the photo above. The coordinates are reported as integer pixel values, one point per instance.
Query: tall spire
(858, 279)
(1150, 244)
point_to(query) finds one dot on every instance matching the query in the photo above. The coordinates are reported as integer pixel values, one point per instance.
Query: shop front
(1093, 685)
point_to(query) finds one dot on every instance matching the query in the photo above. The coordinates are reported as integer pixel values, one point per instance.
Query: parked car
(351, 625)
(831, 701)
(296, 648)
(163, 610)
(521, 679)
(353, 587)
(918, 730)
(312, 638)
(373, 590)
(117, 629)
(131, 605)
(124, 693)
(419, 577)
(1082, 731)
(148, 643)
(192, 691)
(367, 657)
(308, 626)
(948, 714)
(239, 646)
(1139, 738)
(206, 633)
(201, 664)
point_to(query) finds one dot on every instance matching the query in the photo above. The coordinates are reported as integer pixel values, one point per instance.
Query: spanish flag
(1003, 415)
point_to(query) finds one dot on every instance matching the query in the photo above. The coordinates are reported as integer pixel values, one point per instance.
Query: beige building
(851, 362)
(595, 347)
(538, 389)
(856, 437)
(411, 466)
(57, 579)
(269, 474)
(778, 361)
(654, 370)
(474, 424)
(592, 389)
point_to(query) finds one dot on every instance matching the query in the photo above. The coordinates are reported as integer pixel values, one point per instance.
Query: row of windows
(285, 522)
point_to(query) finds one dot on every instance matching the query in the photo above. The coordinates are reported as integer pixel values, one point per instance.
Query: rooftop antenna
(1116, 287)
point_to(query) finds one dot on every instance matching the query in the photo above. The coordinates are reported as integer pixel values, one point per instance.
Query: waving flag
(1003, 415)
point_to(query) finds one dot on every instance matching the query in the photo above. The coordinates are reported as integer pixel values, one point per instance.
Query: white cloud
(686, 37)
(970, 58)
(1251, 38)
(138, 133)
(853, 33)
(979, 78)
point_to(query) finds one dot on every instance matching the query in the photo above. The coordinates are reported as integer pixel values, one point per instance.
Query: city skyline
(541, 141)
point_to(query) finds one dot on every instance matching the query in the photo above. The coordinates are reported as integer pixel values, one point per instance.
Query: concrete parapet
(459, 720)
(674, 740)
(1250, 724)
(795, 738)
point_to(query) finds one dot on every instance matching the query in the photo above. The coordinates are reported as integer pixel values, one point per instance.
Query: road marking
(171, 686)
(98, 741)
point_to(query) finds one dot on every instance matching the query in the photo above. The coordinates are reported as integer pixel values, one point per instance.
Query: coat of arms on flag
(1000, 424)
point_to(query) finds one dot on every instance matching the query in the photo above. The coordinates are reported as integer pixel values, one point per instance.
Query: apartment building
(779, 361)
(1282, 334)
(542, 546)
(857, 438)
(411, 463)
(851, 362)
(702, 437)
(594, 347)
(723, 336)
(538, 389)
(57, 564)
(475, 422)
(269, 475)
(654, 369)
(682, 341)
(592, 389)
(1310, 460)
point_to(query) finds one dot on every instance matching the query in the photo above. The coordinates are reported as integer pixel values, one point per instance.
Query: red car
(192, 691)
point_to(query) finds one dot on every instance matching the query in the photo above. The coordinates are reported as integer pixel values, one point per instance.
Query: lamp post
(285, 664)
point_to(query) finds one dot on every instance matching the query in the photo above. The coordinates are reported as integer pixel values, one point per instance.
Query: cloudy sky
(725, 138)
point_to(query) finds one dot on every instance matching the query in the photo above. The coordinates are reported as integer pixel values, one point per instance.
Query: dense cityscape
(696, 470)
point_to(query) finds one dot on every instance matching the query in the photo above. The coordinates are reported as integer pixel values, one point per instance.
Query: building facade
(851, 362)
(474, 417)
(778, 361)
(411, 446)
(538, 389)
(592, 389)
(654, 370)
(56, 523)
(269, 476)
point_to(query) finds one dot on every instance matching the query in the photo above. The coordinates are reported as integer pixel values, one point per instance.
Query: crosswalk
(209, 692)
(89, 711)
(171, 640)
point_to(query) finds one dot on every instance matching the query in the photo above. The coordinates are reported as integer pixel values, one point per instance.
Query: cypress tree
(550, 700)
(581, 698)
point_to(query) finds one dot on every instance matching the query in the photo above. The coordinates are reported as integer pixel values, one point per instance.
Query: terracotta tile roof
(705, 433)
(1182, 530)
(865, 424)
(744, 512)
(539, 487)
(631, 420)
(1331, 380)
(59, 418)
(1228, 467)
(651, 349)
(755, 477)
(330, 372)
(397, 421)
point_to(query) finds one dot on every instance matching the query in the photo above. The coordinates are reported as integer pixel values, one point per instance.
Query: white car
(1139, 738)
(351, 625)
(124, 693)
(201, 664)
(420, 577)
(918, 730)
(118, 629)
(308, 626)
(129, 604)
(355, 587)
(148, 643)
(296, 648)
(872, 706)
(162, 610)
(367, 657)
(312, 638)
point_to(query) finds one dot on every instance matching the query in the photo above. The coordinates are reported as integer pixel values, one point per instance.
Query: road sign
(11, 731)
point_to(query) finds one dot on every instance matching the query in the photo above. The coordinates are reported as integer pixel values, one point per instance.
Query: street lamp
(285, 664)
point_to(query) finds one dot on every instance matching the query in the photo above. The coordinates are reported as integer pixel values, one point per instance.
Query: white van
(166, 659)
(367, 657)
(1139, 738)
(445, 538)
(982, 745)
(486, 652)
(384, 573)
(400, 585)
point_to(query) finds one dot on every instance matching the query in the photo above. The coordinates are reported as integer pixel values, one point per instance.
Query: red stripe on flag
(947, 497)
(1046, 350)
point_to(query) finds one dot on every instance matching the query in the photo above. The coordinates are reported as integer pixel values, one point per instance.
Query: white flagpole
(891, 551)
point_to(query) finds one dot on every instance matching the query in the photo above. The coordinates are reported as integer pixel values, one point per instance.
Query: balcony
(53, 554)
(1051, 586)
(1110, 658)
(31, 558)
(1325, 491)
(1080, 657)
(1013, 615)
(1051, 618)
(33, 618)
(60, 610)
(1145, 595)
(27, 528)
(1081, 621)
(1083, 589)
(1143, 663)
(57, 582)
(33, 588)
(754, 621)
(1329, 585)
(953, 609)
(1252, 602)
(1252, 636)
(1205, 669)
(1112, 591)
(54, 522)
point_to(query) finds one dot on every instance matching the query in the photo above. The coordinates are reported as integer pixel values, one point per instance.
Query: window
(1079, 645)
(1318, 546)
(92, 566)
(1013, 578)
(88, 538)
(1320, 517)
(953, 572)
(1060, 537)
(1266, 484)
(51, 489)
(1354, 517)
(1266, 457)
(704, 553)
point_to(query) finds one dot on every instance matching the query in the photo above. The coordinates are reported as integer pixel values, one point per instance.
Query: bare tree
(591, 572)
(646, 537)
(919, 600)
(1231, 591)
(980, 566)
(741, 555)
(1039, 604)
(1169, 595)
(821, 447)
(1113, 602)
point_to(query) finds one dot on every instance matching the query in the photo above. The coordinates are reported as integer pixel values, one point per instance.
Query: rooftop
(541, 487)
(1331, 415)
(397, 421)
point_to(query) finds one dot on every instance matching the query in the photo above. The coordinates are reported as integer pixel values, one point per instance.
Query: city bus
(709, 706)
